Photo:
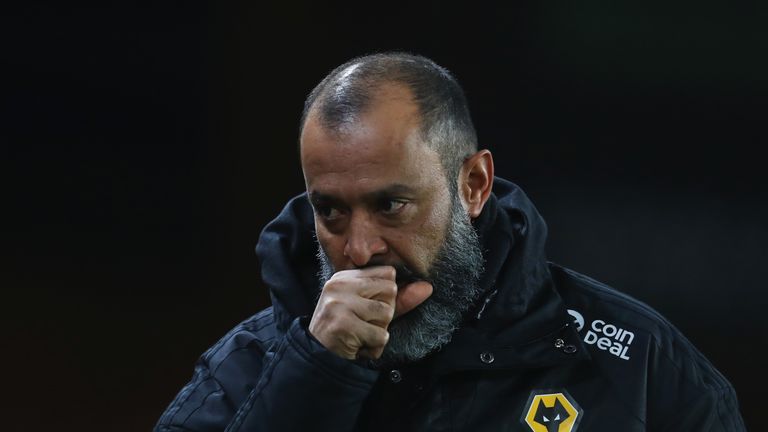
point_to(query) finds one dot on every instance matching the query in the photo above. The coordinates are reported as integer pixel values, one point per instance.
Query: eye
(546, 420)
(327, 212)
(557, 417)
(392, 206)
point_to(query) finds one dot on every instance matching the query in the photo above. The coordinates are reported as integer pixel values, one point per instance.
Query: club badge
(552, 411)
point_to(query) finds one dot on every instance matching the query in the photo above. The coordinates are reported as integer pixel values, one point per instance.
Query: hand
(356, 307)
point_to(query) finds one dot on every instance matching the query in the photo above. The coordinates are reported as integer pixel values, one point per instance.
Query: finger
(374, 311)
(373, 272)
(412, 295)
(379, 289)
(372, 337)
(378, 272)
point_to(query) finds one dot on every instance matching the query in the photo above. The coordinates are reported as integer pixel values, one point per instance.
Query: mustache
(404, 275)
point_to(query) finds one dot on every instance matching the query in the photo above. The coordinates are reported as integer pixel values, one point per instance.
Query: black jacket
(544, 347)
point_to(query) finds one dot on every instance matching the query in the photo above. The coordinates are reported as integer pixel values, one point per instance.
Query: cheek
(427, 239)
(332, 245)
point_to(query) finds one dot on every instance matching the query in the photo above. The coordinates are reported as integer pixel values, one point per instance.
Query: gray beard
(454, 275)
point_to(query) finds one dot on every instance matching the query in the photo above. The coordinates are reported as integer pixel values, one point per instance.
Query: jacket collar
(544, 337)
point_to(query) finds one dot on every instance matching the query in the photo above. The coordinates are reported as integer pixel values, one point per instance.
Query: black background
(145, 145)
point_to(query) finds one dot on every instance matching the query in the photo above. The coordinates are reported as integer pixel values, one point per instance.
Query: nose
(363, 240)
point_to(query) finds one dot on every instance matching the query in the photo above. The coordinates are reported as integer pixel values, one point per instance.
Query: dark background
(145, 145)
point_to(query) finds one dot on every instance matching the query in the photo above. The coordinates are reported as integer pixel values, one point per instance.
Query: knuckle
(376, 307)
(390, 272)
(333, 284)
(387, 291)
(326, 306)
(331, 302)
(379, 339)
(341, 274)
(390, 311)
(382, 309)
(328, 287)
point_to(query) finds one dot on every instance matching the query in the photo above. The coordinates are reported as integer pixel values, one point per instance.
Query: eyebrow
(386, 192)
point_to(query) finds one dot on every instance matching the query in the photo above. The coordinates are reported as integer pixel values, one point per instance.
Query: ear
(476, 181)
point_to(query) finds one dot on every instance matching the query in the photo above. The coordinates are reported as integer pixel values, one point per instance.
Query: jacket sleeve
(295, 385)
(712, 411)
(687, 392)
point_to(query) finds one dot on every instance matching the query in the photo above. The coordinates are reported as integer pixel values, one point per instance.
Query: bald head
(354, 88)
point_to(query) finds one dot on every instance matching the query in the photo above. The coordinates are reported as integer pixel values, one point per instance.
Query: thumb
(411, 295)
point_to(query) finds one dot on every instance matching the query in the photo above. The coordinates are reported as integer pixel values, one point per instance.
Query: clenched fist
(356, 307)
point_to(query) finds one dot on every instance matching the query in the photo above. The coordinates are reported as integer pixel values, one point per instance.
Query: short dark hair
(446, 125)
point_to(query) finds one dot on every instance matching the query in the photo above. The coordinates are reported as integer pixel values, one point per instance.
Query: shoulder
(254, 335)
(617, 324)
(642, 353)
(596, 300)
(224, 375)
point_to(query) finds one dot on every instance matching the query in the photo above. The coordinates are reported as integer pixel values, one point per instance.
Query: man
(410, 291)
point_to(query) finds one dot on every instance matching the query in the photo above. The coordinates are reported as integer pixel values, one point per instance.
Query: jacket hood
(513, 235)
(511, 230)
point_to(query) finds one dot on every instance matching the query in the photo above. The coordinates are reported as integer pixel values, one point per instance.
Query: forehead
(381, 147)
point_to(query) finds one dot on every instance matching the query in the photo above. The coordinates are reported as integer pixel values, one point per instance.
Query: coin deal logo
(578, 319)
(548, 411)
